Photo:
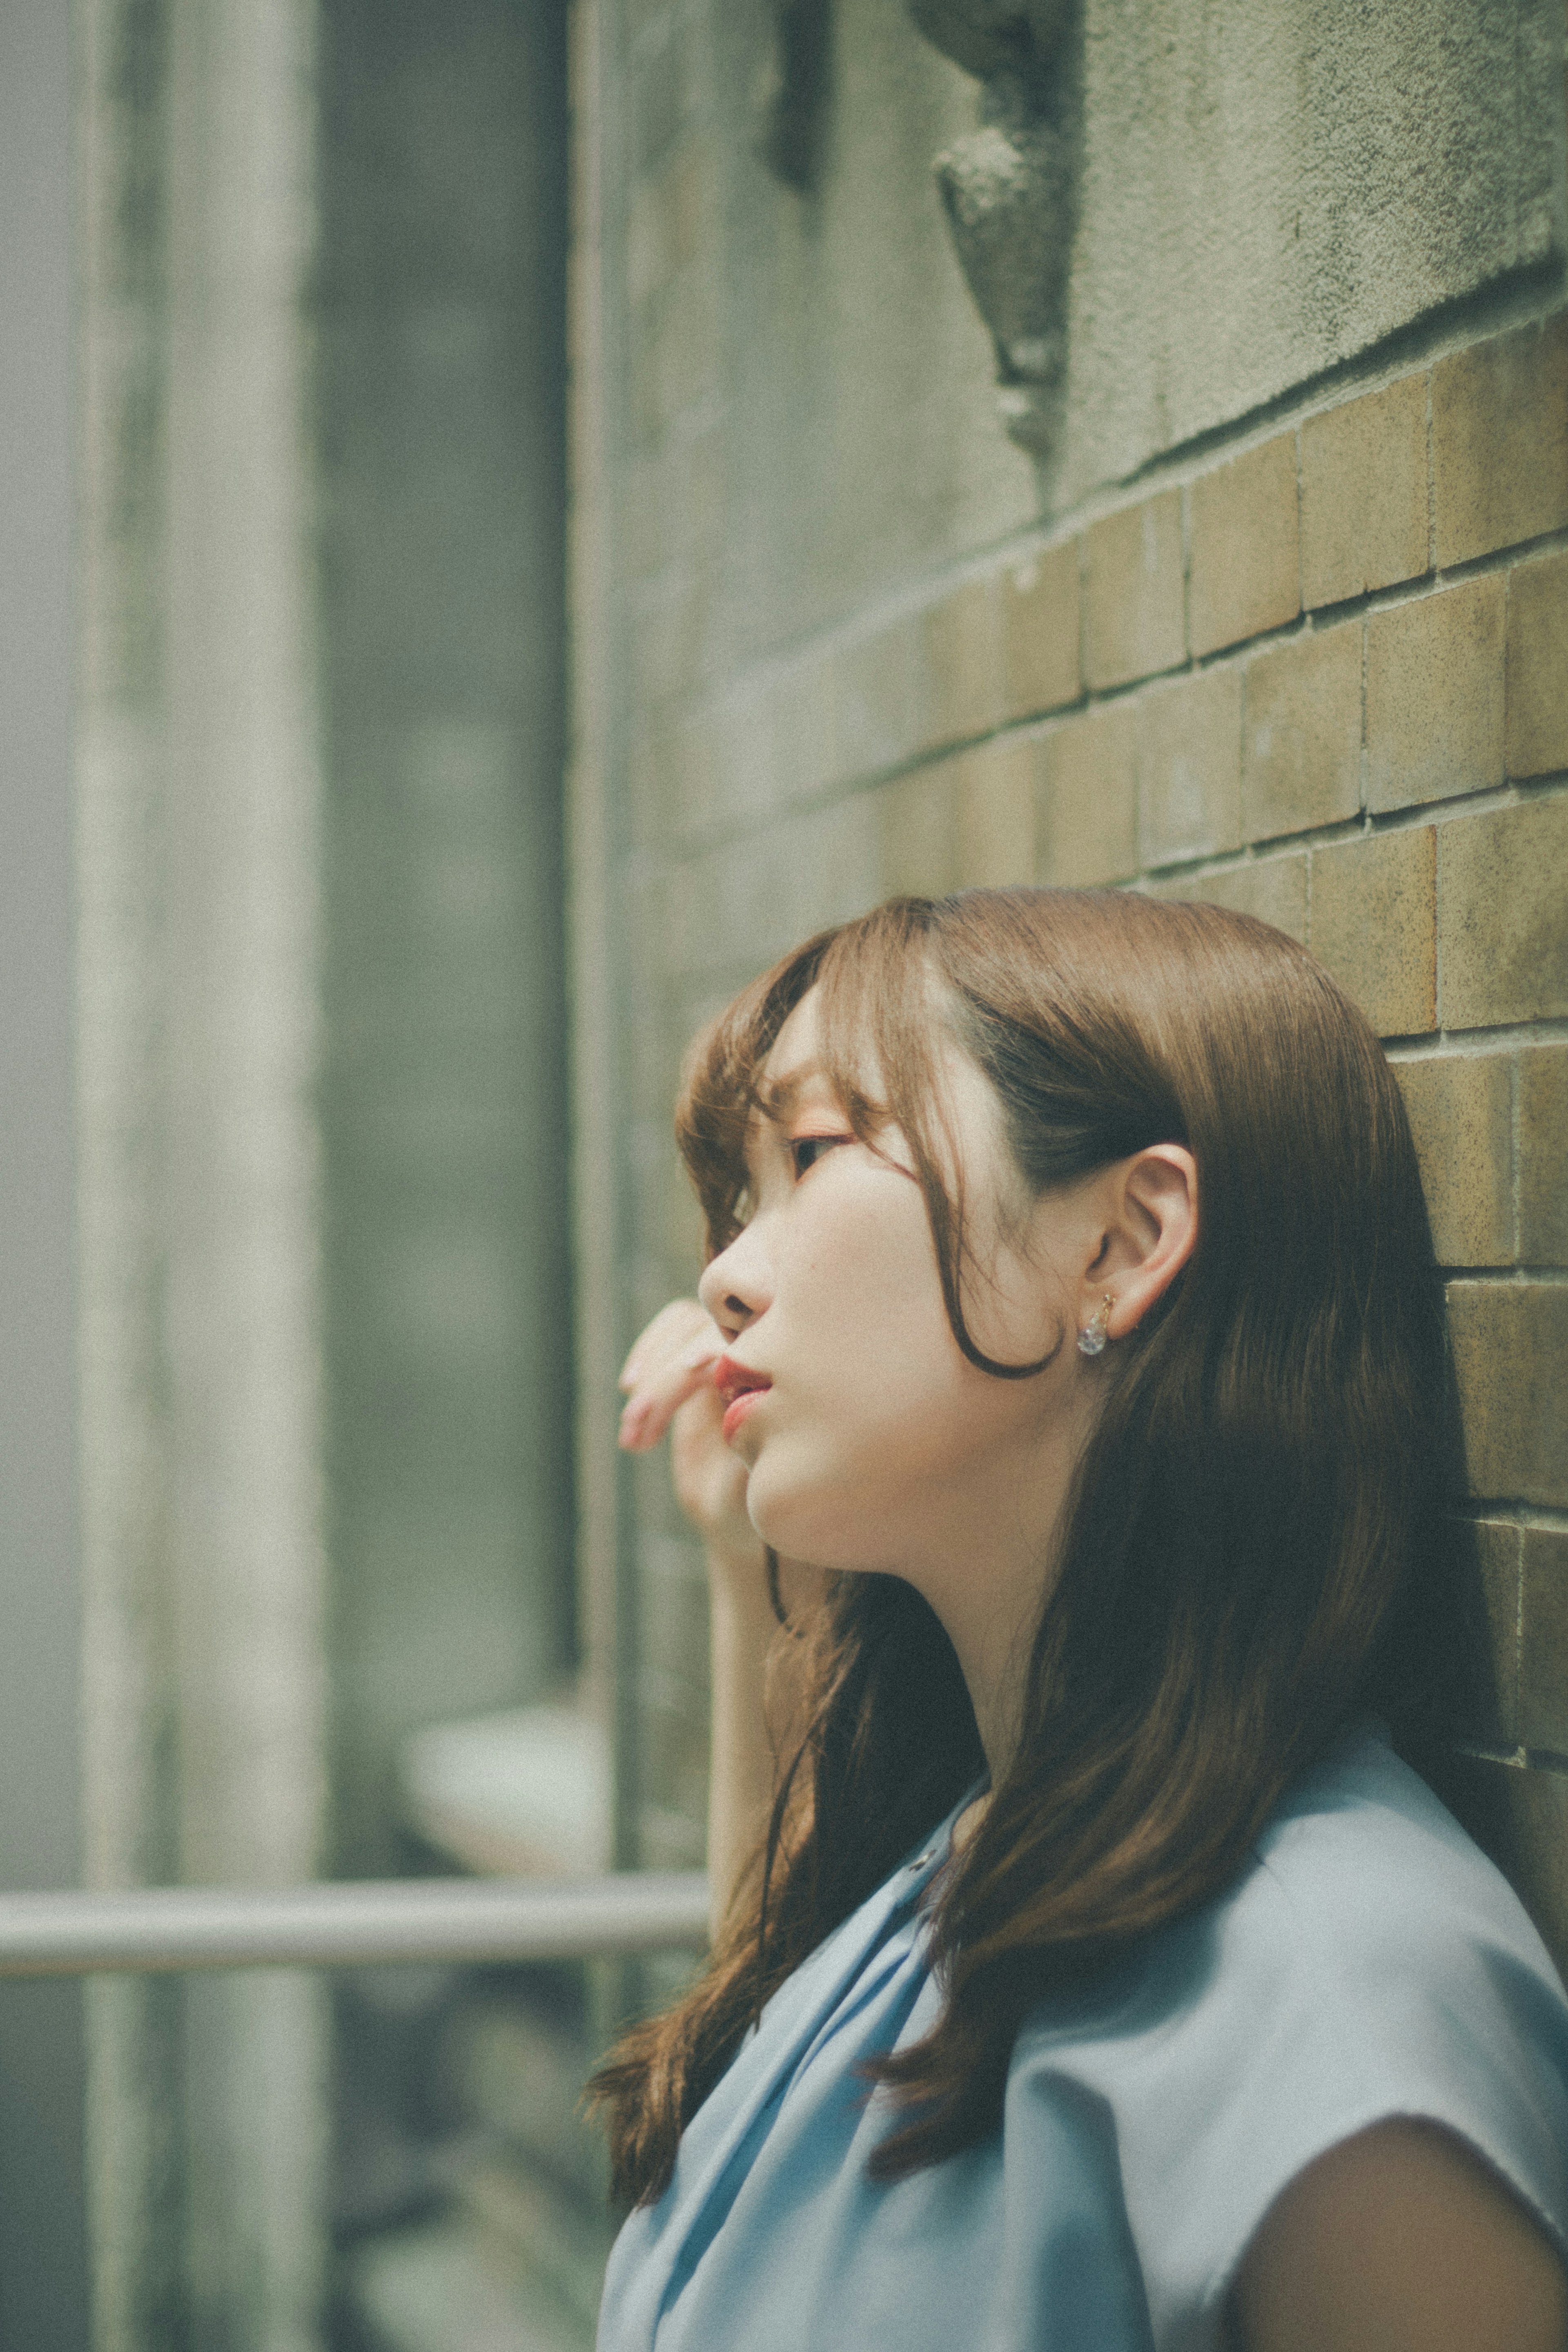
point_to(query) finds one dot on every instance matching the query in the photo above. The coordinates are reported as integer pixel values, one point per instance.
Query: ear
(1146, 1229)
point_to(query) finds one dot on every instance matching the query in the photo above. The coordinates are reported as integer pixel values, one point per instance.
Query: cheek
(880, 1417)
(866, 1295)
(858, 1469)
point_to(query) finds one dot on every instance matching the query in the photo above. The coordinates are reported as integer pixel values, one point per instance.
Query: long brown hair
(1260, 1542)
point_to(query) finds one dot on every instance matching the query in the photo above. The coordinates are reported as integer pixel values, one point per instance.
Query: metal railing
(354, 1925)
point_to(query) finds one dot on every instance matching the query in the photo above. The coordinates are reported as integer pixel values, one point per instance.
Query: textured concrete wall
(1271, 188)
(197, 788)
(1310, 663)
(801, 379)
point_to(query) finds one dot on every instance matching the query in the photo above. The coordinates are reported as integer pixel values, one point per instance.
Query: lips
(739, 1387)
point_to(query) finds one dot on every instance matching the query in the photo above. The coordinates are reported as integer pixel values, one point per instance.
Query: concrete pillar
(43, 2297)
(198, 778)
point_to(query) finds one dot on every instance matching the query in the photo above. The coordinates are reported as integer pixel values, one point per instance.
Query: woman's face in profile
(876, 1444)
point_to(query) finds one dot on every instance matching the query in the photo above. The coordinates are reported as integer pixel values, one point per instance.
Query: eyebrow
(777, 1098)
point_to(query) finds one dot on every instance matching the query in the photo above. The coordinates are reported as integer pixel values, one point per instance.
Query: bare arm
(668, 1380)
(1399, 2241)
(741, 1627)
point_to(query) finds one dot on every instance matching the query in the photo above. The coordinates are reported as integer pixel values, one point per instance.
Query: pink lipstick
(740, 1388)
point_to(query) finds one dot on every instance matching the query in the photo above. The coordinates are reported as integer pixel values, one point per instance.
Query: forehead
(793, 1075)
(962, 1117)
(795, 1058)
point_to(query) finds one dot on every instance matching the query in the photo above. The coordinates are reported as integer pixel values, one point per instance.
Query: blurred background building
(513, 515)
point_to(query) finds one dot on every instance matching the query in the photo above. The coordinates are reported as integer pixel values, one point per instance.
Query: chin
(786, 1513)
(804, 1518)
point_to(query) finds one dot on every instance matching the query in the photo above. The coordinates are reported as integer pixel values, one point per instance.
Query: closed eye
(804, 1149)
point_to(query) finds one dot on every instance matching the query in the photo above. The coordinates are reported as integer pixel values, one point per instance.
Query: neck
(994, 1655)
(991, 1618)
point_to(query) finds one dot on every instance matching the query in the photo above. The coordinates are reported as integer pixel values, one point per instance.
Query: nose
(735, 1286)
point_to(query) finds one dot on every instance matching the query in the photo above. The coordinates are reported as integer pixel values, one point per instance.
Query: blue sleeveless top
(1369, 1963)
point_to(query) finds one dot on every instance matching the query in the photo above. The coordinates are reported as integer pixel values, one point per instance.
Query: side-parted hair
(1260, 1542)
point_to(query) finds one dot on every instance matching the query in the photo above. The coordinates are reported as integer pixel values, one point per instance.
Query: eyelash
(798, 1143)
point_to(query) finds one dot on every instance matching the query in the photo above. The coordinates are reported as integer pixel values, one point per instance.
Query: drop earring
(1097, 1330)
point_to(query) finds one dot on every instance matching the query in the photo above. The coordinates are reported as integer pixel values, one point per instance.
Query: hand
(668, 1380)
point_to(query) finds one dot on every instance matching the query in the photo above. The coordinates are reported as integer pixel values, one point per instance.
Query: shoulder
(1370, 1963)
(1363, 1872)
(1363, 1810)
(1412, 1974)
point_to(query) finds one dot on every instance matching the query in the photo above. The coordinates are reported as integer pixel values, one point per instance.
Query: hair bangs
(875, 1051)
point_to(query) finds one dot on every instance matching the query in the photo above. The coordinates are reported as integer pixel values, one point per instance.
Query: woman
(1069, 1373)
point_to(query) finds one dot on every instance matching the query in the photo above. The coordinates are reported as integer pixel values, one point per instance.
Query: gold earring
(1097, 1330)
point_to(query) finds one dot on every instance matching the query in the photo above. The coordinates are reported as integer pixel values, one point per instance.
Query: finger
(658, 1398)
(671, 1329)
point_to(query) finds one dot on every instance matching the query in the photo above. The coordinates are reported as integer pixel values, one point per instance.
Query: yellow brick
(1538, 668)
(876, 701)
(1435, 696)
(642, 369)
(670, 635)
(682, 351)
(668, 215)
(1272, 889)
(1510, 1351)
(1039, 632)
(918, 829)
(646, 266)
(679, 942)
(835, 862)
(963, 650)
(1475, 1789)
(996, 818)
(800, 715)
(1189, 767)
(1461, 1117)
(1364, 493)
(678, 1218)
(1499, 441)
(1088, 784)
(1536, 1854)
(1494, 1712)
(722, 906)
(695, 500)
(1543, 1675)
(1245, 567)
(1542, 1084)
(757, 895)
(649, 783)
(1374, 925)
(696, 781)
(689, 189)
(645, 541)
(1133, 593)
(1301, 743)
(1502, 916)
(746, 779)
(638, 14)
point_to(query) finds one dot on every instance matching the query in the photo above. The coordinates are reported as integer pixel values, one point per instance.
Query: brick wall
(1315, 668)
